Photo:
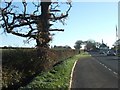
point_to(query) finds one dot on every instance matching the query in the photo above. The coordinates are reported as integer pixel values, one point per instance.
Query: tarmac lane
(89, 73)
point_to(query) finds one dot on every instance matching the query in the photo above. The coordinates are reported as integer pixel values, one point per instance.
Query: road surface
(109, 61)
(90, 73)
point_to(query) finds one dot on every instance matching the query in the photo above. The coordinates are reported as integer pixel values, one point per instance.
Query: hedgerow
(21, 65)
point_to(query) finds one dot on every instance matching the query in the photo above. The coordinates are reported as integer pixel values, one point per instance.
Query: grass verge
(57, 78)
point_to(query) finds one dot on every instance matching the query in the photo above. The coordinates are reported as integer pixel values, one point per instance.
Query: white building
(103, 47)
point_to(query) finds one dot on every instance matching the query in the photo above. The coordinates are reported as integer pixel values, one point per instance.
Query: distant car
(101, 52)
(111, 53)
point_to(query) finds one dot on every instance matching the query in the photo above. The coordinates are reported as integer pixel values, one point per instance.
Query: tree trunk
(43, 26)
(43, 34)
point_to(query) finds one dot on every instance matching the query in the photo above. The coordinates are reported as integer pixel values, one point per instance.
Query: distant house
(103, 47)
(117, 42)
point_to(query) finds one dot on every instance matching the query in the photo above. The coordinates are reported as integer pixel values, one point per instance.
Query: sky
(87, 20)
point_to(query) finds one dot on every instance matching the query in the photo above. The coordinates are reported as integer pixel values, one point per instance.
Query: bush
(19, 64)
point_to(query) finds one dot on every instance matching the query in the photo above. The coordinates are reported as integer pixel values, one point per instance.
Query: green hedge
(18, 64)
(55, 79)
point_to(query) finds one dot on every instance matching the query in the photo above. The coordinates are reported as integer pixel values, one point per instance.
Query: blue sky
(87, 20)
(92, 20)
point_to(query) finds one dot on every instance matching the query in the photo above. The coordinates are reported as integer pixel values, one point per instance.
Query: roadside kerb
(72, 74)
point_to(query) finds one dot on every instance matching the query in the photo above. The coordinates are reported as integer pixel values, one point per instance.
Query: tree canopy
(78, 44)
(89, 44)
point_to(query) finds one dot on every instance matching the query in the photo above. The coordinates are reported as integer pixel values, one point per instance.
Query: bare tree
(35, 25)
(17, 19)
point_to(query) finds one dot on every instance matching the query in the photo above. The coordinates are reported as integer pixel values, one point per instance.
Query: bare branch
(8, 5)
(69, 7)
(53, 10)
(37, 23)
(37, 7)
(56, 29)
(22, 24)
(24, 4)
(54, 17)
(23, 35)
(57, 17)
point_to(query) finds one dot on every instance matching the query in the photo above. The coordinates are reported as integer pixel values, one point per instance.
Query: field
(20, 66)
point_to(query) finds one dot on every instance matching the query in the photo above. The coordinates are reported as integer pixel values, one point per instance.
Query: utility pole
(116, 40)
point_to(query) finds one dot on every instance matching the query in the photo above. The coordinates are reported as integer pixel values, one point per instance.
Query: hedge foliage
(20, 64)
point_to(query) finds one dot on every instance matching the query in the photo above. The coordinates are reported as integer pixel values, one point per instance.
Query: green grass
(57, 78)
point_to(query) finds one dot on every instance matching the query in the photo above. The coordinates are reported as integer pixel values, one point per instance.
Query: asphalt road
(89, 73)
(109, 61)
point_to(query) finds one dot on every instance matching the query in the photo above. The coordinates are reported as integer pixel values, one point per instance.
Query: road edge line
(71, 76)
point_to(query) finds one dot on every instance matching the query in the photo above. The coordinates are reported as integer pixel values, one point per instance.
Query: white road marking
(115, 73)
(71, 76)
(108, 68)
(105, 66)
